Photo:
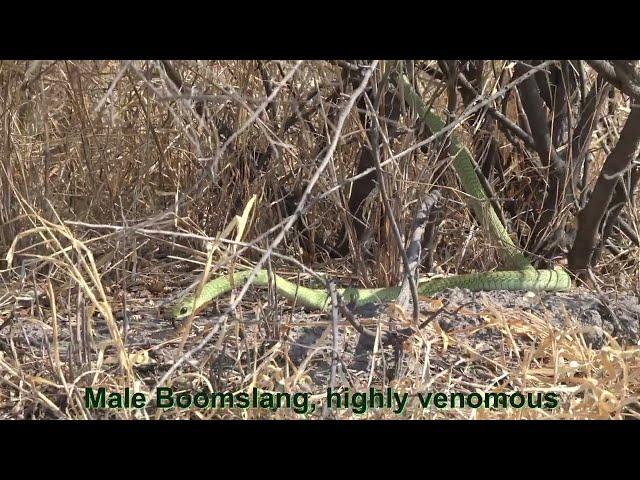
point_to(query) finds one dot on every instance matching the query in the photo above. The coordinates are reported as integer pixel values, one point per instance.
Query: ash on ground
(617, 315)
(595, 318)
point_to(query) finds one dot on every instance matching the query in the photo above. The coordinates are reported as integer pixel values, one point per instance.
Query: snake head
(181, 310)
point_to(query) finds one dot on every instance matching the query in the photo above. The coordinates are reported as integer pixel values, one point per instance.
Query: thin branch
(414, 249)
(608, 71)
(502, 119)
(408, 274)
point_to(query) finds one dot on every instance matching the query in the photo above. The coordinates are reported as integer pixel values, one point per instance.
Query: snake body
(522, 275)
(319, 299)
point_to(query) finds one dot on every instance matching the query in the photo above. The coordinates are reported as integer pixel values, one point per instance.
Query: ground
(580, 345)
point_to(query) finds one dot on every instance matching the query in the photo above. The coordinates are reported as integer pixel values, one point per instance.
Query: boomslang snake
(318, 299)
(522, 277)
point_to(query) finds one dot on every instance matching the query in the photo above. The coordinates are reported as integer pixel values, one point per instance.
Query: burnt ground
(474, 339)
(595, 318)
(616, 315)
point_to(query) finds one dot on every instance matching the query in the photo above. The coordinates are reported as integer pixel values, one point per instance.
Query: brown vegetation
(119, 181)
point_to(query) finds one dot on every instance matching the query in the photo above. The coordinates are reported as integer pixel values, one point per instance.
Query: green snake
(522, 276)
(319, 299)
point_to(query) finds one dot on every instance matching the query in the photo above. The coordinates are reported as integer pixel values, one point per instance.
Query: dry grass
(114, 184)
